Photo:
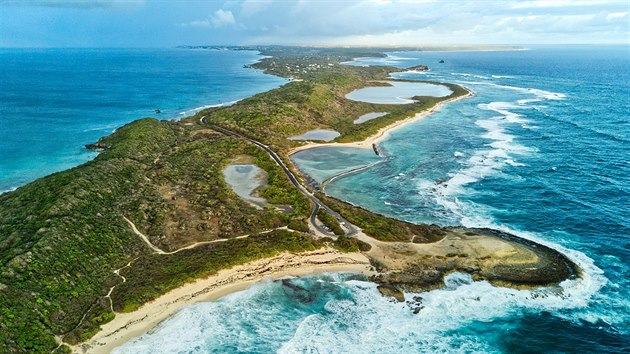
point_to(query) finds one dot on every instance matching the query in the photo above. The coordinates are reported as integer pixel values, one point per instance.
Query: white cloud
(418, 22)
(251, 7)
(558, 3)
(197, 23)
(616, 15)
(222, 18)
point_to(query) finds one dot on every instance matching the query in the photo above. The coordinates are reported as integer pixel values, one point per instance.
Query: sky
(160, 23)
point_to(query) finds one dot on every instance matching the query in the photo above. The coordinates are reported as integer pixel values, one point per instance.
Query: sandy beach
(383, 132)
(126, 326)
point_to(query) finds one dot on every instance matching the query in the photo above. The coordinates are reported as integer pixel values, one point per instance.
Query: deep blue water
(54, 101)
(542, 150)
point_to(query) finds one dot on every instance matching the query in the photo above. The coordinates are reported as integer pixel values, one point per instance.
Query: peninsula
(98, 254)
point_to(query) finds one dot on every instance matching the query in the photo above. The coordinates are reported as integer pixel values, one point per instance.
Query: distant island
(175, 212)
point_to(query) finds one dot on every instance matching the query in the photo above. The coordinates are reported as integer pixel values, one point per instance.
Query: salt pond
(244, 179)
(400, 92)
(369, 116)
(325, 162)
(317, 134)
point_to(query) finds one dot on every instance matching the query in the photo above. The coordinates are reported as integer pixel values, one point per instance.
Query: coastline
(127, 326)
(382, 133)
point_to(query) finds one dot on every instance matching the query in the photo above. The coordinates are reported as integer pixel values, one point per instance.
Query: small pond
(317, 134)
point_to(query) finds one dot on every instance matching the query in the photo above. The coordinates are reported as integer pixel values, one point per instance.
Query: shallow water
(539, 151)
(317, 134)
(399, 92)
(325, 162)
(244, 179)
(369, 116)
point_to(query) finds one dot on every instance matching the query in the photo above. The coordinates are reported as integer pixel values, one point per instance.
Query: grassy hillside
(318, 101)
(62, 236)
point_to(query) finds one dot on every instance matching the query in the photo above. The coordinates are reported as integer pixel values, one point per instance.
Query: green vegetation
(349, 244)
(153, 274)
(279, 189)
(318, 101)
(384, 228)
(61, 237)
(330, 222)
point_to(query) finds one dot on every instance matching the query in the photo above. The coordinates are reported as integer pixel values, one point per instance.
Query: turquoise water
(323, 163)
(541, 150)
(54, 101)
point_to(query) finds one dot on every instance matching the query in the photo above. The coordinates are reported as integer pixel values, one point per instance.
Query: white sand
(126, 326)
(383, 132)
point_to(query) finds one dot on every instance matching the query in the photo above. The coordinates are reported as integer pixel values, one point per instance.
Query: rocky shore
(485, 254)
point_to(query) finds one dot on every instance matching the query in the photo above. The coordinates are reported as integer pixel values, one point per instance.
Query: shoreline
(383, 132)
(127, 326)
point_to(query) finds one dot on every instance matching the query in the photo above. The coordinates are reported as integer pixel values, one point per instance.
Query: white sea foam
(383, 326)
(363, 321)
(572, 293)
(197, 109)
(503, 150)
(8, 190)
(471, 75)
(102, 128)
(540, 94)
(413, 72)
(397, 58)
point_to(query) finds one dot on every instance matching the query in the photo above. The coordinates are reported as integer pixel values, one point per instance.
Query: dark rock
(391, 291)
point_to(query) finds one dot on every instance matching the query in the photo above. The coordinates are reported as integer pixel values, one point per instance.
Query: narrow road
(351, 230)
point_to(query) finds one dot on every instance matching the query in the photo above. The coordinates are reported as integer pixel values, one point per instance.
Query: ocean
(542, 150)
(54, 101)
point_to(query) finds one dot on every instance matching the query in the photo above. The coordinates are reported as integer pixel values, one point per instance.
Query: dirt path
(193, 245)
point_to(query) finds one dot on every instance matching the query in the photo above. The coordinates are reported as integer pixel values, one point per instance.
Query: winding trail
(143, 237)
(124, 280)
(193, 245)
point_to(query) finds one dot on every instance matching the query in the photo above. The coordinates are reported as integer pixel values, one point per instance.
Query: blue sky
(155, 23)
